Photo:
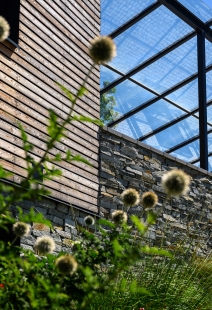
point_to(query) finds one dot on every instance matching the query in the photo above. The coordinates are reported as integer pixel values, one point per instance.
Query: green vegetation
(107, 104)
(114, 269)
(181, 283)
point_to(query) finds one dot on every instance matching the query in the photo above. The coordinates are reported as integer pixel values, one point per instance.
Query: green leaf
(123, 284)
(151, 217)
(156, 251)
(133, 286)
(118, 249)
(23, 133)
(32, 216)
(140, 226)
(66, 91)
(106, 223)
(68, 155)
(87, 119)
(81, 159)
(57, 157)
(4, 173)
(82, 91)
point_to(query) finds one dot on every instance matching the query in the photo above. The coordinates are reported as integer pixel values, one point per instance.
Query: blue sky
(208, 2)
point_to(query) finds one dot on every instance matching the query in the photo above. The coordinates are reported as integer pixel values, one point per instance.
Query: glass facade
(160, 82)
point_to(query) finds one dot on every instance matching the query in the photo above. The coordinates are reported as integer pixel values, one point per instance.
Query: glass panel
(170, 69)
(209, 85)
(175, 134)
(115, 13)
(127, 96)
(188, 152)
(199, 8)
(186, 96)
(152, 117)
(208, 52)
(209, 142)
(209, 114)
(107, 75)
(210, 163)
(148, 37)
(208, 118)
(126, 127)
(197, 164)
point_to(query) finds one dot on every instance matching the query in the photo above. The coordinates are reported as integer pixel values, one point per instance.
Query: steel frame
(202, 31)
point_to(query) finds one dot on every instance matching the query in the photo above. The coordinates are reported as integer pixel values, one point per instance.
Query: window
(9, 9)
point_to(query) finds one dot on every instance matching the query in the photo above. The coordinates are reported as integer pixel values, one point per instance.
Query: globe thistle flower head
(130, 197)
(21, 229)
(149, 200)
(176, 182)
(44, 245)
(4, 29)
(119, 217)
(102, 49)
(89, 220)
(66, 264)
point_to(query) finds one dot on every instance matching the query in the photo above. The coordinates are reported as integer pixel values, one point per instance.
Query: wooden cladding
(53, 37)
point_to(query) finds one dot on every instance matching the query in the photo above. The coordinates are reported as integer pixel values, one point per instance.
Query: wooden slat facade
(54, 37)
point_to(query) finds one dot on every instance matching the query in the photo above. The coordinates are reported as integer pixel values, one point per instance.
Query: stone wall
(66, 222)
(126, 163)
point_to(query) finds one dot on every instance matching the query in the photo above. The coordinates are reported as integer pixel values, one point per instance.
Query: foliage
(181, 283)
(28, 281)
(107, 105)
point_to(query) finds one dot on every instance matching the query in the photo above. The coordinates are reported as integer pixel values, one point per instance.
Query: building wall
(127, 163)
(53, 39)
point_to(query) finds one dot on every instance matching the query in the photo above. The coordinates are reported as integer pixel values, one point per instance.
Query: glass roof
(202, 9)
(155, 74)
(116, 13)
(147, 37)
(152, 117)
(170, 69)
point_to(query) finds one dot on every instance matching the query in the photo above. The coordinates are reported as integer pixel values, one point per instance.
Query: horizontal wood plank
(26, 71)
(54, 41)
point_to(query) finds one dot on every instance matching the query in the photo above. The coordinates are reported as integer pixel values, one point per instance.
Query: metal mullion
(175, 121)
(134, 20)
(202, 100)
(161, 96)
(187, 16)
(185, 143)
(198, 159)
(148, 62)
(132, 80)
(209, 23)
(166, 126)
(149, 89)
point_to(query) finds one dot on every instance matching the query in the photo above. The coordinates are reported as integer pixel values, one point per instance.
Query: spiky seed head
(102, 49)
(76, 244)
(66, 264)
(4, 29)
(130, 197)
(44, 245)
(119, 217)
(89, 220)
(149, 200)
(21, 229)
(176, 182)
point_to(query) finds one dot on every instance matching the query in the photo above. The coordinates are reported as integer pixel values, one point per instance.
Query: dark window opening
(10, 9)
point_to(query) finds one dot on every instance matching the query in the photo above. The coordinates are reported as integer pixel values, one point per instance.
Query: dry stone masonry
(126, 163)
